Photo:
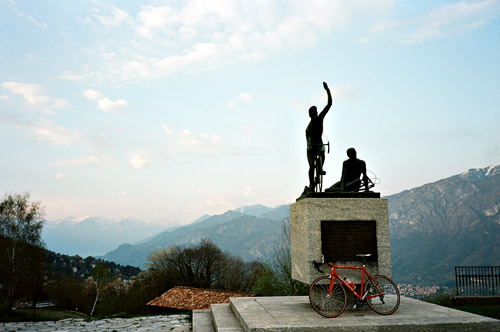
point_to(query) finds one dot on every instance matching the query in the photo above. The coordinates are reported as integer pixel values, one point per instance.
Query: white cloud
(28, 17)
(92, 94)
(110, 15)
(248, 129)
(245, 97)
(345, 91)
(61, 175)
(47, 131)
(154, 19)
(441, 22)
(216, 201)
(74, 76)
(138, 161)
(59, 103)
(31, 93)
(167, 129)
(104, 103)
(34, 95)
(200, 35)
(142, 159)
(108, 105)
(90, 160)
(187, 143)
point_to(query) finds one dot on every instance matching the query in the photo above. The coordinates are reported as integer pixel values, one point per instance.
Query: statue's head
(351, 153)
(313, 112)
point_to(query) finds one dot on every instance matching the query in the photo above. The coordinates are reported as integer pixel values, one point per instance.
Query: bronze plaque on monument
(343, 240)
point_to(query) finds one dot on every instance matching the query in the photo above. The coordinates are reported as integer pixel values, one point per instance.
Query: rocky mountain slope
(435, 227)
(451, 222)
(251, 236)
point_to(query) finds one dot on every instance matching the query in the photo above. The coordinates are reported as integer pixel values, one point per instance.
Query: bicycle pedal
(358, 305)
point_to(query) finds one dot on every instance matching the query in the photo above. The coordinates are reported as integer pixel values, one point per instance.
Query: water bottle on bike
(350, 283)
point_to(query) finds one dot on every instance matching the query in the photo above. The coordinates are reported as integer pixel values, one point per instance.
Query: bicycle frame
(318, 165)
(334, 274)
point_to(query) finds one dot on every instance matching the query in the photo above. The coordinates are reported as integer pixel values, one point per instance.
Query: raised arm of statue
(329, 104)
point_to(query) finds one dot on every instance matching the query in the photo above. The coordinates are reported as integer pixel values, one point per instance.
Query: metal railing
(477, 280)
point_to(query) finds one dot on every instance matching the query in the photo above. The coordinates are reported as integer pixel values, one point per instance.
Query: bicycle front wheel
(319, 174)
(327, 305)
(387, 302)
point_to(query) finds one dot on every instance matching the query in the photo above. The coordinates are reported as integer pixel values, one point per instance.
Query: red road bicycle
(328, 296)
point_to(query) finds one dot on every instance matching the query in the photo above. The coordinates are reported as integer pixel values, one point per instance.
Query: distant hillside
(246, 235)
(58, 265)
(93, 236)
(254, 210)
(454, 221)
(440, 225)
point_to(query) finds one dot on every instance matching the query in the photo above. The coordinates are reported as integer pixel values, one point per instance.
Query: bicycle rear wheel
(318, 176)
(327, 305)
(388, 302)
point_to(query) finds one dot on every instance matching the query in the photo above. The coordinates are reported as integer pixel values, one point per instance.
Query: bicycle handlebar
(317, 265)
(322, 144)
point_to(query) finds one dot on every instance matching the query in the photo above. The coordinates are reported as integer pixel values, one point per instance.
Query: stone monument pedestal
(340, 228)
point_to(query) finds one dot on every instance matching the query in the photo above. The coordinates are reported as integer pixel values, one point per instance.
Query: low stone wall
(475, 300)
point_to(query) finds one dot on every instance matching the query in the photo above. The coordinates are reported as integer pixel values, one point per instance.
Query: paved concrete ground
(177, 323)
(203, 321)
(296, 314)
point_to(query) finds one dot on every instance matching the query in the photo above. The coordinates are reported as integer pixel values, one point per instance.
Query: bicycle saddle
(363, 255)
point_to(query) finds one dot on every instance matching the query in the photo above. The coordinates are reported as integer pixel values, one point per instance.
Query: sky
(168, 110)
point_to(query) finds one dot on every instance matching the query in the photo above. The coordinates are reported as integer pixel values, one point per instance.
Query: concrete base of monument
(339, 229)
(294, 313)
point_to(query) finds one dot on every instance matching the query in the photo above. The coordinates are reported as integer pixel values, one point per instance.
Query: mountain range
(249, 232)
(94, 236)
(448, 223)
(434, 227)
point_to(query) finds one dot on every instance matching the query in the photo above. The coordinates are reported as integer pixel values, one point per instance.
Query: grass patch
(492, 311)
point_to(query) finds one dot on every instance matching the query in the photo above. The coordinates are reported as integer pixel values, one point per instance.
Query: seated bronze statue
(353, 175)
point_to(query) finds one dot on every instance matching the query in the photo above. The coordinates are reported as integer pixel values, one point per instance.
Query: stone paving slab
(202, 321)
(170, 323)
(224, 318)
(295, 313)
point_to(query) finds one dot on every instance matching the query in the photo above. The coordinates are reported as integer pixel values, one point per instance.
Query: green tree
(196, 266)
(276, 279)
(204, 265)
(101, 277)
(21, 223)
(69, 293)
(33, 278)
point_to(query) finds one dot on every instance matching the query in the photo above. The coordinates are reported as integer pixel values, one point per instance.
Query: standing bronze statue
(314, 133)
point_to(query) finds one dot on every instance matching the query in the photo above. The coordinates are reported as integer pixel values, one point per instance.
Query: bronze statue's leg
(353, 185)
(335, 188)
